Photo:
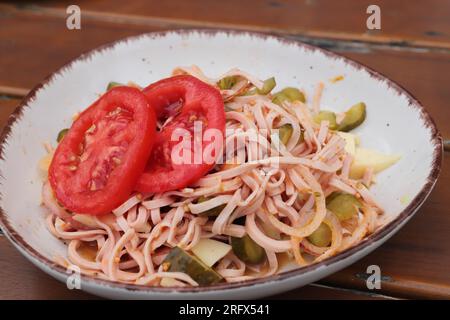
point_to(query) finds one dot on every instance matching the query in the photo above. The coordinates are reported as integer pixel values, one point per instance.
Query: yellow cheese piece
(210, 251)
(351, 141)
(368, 158)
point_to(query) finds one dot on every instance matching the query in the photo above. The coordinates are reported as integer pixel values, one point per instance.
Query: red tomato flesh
(181, 100)
(97, 164)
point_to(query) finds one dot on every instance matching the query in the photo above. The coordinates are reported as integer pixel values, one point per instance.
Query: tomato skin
(183, 98)
(96, 166)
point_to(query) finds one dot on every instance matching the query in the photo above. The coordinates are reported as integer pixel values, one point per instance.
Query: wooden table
(412, 48)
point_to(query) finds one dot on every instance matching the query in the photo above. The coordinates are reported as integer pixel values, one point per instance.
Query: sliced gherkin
(290, 94)
(179, 260)
(113, 84)
(343, 205)
(285, 133)
(321, 237)
(269, 84)
(353, 117)
(332, 196)
(279, 97)
(248, 250)
(227, 82)
(293, 94)
(213, 212)
(61, 134)
(326, 115)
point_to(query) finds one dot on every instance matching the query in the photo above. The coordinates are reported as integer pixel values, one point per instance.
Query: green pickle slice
(61, 134)
(321, 237)
(326, 115)
(285, 133)
(268, 86)
(290, 94)
(353, 117)
(293, 94)
(227, 82)
(179, 260)
(344, 205)
(213, 212)
(113, 84)
(248, 250)
(278, 98)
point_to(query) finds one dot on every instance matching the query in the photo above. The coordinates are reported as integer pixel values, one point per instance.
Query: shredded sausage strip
(279, 188)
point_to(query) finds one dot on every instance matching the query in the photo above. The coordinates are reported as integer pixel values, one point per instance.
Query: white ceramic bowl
(396, 123)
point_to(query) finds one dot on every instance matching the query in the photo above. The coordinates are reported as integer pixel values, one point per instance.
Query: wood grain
(32, 46)
(402, 21)
(425, 74)
(321, 292)
(34, 42)
(416, 261)
(7, 106)
(22, 280)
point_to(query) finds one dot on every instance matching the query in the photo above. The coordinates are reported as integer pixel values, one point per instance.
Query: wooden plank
(13, 91)
(321, 292)
(32, 46)
(22, 280)
(447, 145)
(402, 21)
(424, 73)
(415, 262)
(7, 106)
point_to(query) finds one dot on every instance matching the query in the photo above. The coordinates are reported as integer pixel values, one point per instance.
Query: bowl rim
(402, 217)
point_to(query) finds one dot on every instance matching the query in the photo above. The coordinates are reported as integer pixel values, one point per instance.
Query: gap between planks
(13, 92)
(401, 287)
(368, 294)
(328, 39)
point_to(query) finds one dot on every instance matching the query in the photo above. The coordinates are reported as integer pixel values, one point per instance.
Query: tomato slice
(181, 101)
(98, 162)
